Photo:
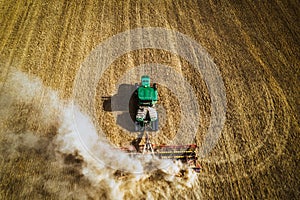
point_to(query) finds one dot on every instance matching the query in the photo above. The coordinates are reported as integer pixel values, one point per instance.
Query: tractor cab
(147, 95)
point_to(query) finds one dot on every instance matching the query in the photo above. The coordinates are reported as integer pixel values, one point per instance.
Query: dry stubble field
(254, 45)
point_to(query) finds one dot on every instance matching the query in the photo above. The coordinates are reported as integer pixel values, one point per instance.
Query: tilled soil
(255, 46)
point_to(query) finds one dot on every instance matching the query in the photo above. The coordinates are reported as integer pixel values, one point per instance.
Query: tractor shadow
(136, 142)
(125, 104)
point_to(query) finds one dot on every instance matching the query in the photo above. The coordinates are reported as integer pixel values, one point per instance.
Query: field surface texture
(228, 76)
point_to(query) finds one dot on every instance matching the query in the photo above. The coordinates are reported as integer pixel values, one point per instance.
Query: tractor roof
(147, 93)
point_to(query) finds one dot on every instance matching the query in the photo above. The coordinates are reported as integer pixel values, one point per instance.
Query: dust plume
(42, 154)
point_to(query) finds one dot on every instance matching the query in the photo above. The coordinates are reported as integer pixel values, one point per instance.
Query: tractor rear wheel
(154, 125)
(138, 127)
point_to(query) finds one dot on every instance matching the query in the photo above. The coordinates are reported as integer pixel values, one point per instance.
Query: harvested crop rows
(255, 47)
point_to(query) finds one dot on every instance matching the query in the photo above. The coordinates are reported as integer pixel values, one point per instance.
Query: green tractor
(146, 116)
(146, 120)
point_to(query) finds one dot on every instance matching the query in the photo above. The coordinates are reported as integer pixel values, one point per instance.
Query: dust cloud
(39, 142)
